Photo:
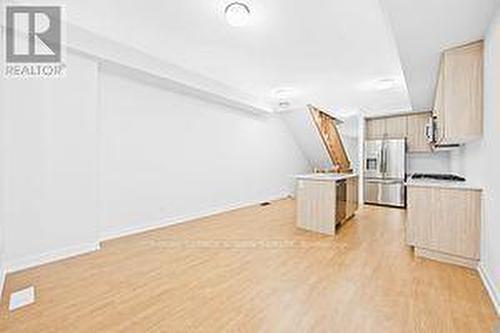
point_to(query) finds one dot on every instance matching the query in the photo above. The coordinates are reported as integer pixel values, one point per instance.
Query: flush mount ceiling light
(283, 92)
(386, 84)
(383, 84)
(284, 105)
(237, 14)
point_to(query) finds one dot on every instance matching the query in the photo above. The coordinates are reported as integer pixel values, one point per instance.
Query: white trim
(490, 287)
(162, 223)
(3, 274)
(49, 257)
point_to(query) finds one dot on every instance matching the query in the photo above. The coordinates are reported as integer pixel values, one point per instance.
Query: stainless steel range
(385, 172)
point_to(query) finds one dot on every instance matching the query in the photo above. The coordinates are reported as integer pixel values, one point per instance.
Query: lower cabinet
(352, 196)
(445, 224)
(316, 206)
(322, 205)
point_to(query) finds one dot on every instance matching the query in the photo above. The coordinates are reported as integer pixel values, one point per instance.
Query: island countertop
(326, 177)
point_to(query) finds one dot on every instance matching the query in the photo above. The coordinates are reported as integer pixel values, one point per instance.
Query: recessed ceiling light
(237, 14)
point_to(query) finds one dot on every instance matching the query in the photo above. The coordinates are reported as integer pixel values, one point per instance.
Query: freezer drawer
(385, 192)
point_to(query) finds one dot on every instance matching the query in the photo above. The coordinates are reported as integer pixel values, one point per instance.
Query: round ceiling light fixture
(386, 84)
(237, 14)
(284, 105)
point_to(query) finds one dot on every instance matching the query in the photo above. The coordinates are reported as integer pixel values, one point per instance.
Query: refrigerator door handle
(383, 159)
(386, 159)
(381, 165)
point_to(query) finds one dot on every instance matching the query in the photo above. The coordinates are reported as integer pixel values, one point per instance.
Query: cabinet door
(395, 127)
(316, 206)
(438, 111)
(463, 93)
(375, 129)
(417, 140)
(352, 196)
(445, 220)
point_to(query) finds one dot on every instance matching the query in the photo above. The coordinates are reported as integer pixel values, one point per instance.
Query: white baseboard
(3, 273)
(48, 257)
(162, 223)
(490, 287)
(52, 256)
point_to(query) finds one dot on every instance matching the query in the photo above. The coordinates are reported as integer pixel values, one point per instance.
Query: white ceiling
(327, 51)
(424, 28)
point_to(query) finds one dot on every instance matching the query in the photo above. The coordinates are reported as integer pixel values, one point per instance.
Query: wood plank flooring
(251, 270)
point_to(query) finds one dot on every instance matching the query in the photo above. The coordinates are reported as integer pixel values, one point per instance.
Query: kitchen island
(325, 200)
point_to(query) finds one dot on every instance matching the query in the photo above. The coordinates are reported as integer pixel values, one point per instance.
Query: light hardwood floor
(220, 275)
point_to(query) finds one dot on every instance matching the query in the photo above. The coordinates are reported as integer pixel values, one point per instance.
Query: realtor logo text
(33, 42)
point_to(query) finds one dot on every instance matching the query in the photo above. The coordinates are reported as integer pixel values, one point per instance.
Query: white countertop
(443, 184)
(326, 177)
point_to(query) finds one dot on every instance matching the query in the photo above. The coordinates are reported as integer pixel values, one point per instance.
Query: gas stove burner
(435, 176)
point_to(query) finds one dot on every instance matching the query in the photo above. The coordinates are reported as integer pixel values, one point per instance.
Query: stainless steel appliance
(431, 133)
(385, 172)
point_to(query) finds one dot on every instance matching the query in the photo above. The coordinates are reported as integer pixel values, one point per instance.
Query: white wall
(481, 159)
(51, 165)
(168, 157)
(349, 132)
(307, 137)
(436, 162)
(2, 161)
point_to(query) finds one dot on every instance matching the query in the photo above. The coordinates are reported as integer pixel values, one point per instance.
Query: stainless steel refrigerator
(385, 172)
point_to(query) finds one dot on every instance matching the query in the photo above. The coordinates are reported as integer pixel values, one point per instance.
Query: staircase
(327, 128)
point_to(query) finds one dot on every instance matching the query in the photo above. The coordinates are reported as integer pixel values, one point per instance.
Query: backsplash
(437, 162)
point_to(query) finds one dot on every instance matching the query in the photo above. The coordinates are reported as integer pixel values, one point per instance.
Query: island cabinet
(352, 196)
(325, 201)
(444, 223)
(458, 105)
(316, 201)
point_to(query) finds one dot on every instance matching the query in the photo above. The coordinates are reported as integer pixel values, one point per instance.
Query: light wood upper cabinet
(410, 126)
(417, 140)
(375, 129)
(458, 105)
(388, 128)
(395, 127)
(438, 111)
